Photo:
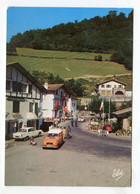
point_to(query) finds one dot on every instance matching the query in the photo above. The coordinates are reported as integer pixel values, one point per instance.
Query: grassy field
(60, 54)
(77, 68)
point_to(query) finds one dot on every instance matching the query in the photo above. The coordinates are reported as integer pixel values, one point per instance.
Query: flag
(102, 103)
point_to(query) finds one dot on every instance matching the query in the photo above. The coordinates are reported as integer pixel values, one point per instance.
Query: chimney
(46, 85)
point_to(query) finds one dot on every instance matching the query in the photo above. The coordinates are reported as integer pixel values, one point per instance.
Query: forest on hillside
(109, 34)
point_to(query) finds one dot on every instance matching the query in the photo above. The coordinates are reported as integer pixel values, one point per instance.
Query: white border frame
(4, 4)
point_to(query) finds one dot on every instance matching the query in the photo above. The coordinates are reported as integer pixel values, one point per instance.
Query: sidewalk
(10, 143)
(84, 127)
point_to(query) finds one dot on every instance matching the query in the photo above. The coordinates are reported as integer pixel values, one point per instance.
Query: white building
(23, 99)
(55, 101)
(72, 106)
(113, 89)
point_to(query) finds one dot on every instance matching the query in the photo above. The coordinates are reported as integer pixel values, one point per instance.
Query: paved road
(84, 160)
(109, 147)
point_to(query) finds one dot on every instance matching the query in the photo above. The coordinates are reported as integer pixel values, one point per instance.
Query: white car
(81, 119)
(25, 133)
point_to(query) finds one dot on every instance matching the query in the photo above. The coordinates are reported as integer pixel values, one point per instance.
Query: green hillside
(60, 54)
(66, 64)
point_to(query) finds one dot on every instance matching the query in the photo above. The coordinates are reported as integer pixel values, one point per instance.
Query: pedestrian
(32, 141)
(64, 132)
(99, 131)
(75, 122)
(107, 133)
(72, 122)
(68, 132)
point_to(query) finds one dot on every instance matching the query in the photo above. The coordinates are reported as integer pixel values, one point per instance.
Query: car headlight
(55, 143)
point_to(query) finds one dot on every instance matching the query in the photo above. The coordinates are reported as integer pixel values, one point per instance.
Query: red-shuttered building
(55, 101)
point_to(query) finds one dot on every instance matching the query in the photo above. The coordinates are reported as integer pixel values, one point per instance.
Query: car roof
(55, 130)
(26, 128)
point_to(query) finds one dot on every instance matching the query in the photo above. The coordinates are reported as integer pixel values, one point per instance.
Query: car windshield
(22, 130)
(52, 135)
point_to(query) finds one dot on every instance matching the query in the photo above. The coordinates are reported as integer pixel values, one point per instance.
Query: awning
(67, 111)
(15, 117)
(32, 116)
(123, 112)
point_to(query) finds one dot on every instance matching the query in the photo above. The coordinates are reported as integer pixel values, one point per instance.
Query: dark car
(45, 126)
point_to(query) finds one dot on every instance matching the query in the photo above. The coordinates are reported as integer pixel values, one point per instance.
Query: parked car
(81, 119)
(54, 139)
(25, 133)
(107, 127)
(45, 126)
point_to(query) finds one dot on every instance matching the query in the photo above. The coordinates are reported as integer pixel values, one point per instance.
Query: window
(19, 87)
(102, 86)
(31, 107)
(8, 85)
(16, 106)
(14, 86)
(108, 86)
(103, 93)
(108, 93)
(24, 88)
(119, 86)
(36, 109)
(30, 89)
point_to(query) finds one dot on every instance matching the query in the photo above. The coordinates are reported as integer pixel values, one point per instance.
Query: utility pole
(109, 109)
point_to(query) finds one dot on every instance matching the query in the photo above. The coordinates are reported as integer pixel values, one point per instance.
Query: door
(30, 132)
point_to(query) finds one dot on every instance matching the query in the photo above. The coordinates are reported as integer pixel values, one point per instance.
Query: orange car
(53, 139)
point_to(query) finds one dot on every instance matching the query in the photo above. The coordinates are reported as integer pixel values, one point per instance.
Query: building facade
(72, 106)
(23, 99)
(55, 101)
(113, 89)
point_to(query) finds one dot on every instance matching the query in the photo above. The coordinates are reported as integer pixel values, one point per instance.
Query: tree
(94, 35)
(11, 48)
(75, 87)
(17, 41)
(123, 55)
(94, 106)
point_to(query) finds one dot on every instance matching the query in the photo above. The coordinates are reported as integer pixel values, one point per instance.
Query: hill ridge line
(58, 58)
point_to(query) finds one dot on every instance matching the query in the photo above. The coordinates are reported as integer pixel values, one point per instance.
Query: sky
(21, 19)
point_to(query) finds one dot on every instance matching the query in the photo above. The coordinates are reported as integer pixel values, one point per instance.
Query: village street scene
(68, 119)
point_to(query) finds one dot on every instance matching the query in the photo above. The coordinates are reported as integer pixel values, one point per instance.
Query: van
(107, 127)
(54, 139)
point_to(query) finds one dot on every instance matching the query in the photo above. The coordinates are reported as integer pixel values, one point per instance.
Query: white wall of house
(108, 88)
(128, 93)
(27, 98)
(48, 106)
(49, 99)
(72, 106)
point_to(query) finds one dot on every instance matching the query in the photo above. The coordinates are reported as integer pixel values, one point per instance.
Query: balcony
(118, 98)
(58, 107)
(63, 97)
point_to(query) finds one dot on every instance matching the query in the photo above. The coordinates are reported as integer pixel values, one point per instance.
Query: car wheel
(39, 134)
(26, 138)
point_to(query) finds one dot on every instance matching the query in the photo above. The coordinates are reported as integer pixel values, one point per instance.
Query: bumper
(18, 138)
(49, 146)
